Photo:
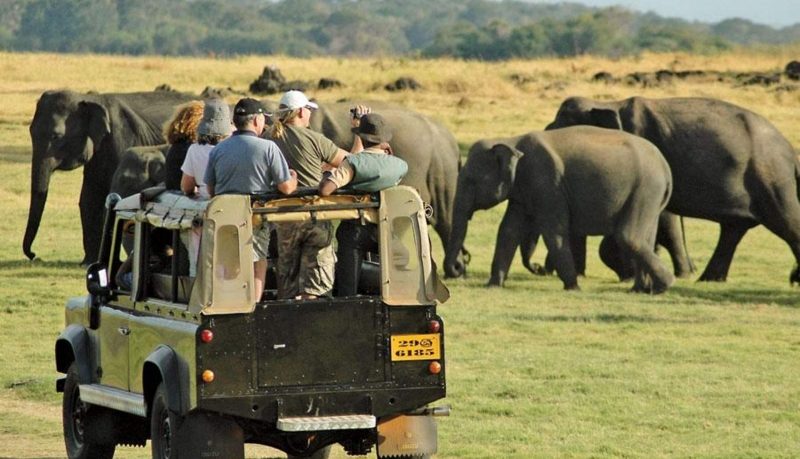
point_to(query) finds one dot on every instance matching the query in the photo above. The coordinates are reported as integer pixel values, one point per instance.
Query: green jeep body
(200, 367)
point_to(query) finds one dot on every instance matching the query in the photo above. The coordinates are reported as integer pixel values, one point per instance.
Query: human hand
(358, 111)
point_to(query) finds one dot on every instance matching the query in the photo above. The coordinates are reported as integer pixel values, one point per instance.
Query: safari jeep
(200, 366)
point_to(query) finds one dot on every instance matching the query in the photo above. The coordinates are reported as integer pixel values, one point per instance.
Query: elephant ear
(605, 118)
(97, 121)
(506, 157)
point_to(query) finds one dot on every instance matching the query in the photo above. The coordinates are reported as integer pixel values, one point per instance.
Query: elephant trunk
(40, 182)
(454, 265)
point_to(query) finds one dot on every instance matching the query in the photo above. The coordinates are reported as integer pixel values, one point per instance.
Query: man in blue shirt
(247, 164)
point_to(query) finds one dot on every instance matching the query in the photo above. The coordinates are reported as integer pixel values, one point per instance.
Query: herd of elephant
(626, 170)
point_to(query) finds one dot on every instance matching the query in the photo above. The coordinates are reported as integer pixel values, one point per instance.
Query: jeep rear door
(321, 342)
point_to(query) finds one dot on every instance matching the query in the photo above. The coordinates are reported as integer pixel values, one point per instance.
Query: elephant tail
(668, 189)
(797, 173)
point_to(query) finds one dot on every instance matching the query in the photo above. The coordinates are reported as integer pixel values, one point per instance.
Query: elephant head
(579, 110)
(65, 132)
(139, 168)
(484, 181)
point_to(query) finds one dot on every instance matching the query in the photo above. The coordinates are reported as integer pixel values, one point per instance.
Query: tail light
(206, 336)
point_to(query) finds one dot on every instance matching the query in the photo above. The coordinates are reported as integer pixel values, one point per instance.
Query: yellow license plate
(416, 347)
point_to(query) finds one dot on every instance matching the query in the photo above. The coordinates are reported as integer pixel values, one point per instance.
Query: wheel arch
(73, 345)
(165, 365)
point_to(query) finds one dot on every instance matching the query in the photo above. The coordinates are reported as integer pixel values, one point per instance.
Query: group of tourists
(213, 152)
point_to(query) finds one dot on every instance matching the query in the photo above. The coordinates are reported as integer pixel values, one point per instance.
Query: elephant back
(594, 168)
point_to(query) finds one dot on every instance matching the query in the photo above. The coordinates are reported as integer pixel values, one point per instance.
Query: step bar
(315, 423)
(110, 397)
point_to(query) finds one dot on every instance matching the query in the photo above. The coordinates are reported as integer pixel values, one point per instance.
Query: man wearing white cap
(306, 258)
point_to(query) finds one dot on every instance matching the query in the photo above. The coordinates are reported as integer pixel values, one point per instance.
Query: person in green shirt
(306, 260)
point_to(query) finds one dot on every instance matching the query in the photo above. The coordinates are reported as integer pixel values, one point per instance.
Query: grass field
(706, 370)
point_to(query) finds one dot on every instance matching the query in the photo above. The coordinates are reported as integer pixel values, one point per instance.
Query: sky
(776, 13)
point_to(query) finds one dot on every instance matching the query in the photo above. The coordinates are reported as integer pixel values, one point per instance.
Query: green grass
(705, 370)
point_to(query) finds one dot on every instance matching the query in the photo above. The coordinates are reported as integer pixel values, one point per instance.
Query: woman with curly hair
(180, 132)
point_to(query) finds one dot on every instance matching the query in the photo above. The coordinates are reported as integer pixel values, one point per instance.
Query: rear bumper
(268, 407)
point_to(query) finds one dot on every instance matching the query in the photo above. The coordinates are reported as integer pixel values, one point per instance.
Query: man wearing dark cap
(373, 169)
(247, 164)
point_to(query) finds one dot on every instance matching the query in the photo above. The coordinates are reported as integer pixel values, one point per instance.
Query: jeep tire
(79, 439)
(164, 426)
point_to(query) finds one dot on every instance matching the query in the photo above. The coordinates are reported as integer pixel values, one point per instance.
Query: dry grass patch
(707, 370)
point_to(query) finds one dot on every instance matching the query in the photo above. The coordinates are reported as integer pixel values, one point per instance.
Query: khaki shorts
(306, 259)
(261, 241)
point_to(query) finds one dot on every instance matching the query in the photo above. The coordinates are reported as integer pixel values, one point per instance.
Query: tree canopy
(472, 29)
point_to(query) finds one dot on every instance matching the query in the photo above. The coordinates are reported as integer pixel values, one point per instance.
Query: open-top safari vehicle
(200, 366)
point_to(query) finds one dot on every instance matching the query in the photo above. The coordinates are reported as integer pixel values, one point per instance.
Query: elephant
(426, 145)
(485, 181)
(729, 165)
(70, 130)
(582, 181)
(139, 168)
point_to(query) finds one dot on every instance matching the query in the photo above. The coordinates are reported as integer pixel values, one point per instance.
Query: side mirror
(97, 280)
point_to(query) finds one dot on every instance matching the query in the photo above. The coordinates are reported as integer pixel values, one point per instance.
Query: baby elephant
(583, 181)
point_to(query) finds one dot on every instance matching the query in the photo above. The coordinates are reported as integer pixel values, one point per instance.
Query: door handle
(124, 331)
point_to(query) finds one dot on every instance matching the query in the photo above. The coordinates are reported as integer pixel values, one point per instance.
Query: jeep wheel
(163, 426)
(75, 413)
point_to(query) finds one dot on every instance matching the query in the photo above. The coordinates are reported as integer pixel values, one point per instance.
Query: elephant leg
(615, 258)
(526, 249)
(577, 244)
(509, 236)
(92, 207)
(558, 245)
(636, 235)
(720, 262)
(651, 276)
(549, 263)
(578, 247)
(671, 237)
(782, 217)
(444, 228)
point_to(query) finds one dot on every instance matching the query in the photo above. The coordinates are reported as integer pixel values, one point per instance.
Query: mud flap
(204, 435)
(407, 436)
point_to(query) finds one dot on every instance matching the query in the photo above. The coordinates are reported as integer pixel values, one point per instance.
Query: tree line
(470, 29)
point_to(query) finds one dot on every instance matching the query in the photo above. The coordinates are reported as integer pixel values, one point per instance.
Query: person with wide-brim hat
(373, 169)
(214, 127)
